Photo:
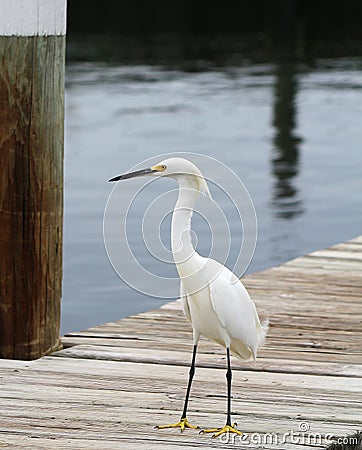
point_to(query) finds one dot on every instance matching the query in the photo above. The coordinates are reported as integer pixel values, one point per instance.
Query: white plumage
(214, 300)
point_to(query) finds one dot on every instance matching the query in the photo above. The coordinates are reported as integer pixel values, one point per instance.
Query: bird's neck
(182, 248)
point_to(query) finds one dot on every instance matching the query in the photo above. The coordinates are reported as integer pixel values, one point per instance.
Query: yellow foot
(226, 429)
(182, 424)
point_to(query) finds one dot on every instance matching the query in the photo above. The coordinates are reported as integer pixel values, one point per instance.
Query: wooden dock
(112, 383)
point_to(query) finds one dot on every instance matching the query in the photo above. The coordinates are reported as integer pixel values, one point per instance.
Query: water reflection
(286, 152)
(122, 113)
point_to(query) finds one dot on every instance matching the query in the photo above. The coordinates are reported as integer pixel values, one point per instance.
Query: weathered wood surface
(112, 383)
(31, 183)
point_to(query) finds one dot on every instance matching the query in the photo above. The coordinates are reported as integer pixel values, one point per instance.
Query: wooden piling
(32, 53)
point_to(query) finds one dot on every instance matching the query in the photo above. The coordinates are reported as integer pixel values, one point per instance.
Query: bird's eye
(159, 168)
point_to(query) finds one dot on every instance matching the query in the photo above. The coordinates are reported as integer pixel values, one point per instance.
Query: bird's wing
(184, 302)
(234, 308)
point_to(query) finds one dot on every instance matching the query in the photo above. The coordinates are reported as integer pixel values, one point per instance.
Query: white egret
(213, 299)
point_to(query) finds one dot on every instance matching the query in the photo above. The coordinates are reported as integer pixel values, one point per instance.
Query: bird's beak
(139, 173)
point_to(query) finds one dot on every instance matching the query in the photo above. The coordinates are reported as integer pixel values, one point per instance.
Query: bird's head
(182, 170)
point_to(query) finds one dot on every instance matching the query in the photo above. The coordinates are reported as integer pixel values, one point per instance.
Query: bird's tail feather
(264, 327)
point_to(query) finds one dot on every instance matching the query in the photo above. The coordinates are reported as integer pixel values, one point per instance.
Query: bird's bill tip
(115, 178)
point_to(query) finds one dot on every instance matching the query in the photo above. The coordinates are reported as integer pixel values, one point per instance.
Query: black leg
(191, 375)
(228, 378)
(228, 428)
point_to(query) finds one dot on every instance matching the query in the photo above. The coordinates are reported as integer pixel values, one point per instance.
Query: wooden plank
(115, 381)
(321, 339)
(181, 358)
(142, 371)
(108, 399)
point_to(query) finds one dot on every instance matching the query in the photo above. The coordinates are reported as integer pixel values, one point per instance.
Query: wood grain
(31, 194)
(112, 383)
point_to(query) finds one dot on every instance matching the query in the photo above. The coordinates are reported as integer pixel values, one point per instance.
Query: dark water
(287, 123)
